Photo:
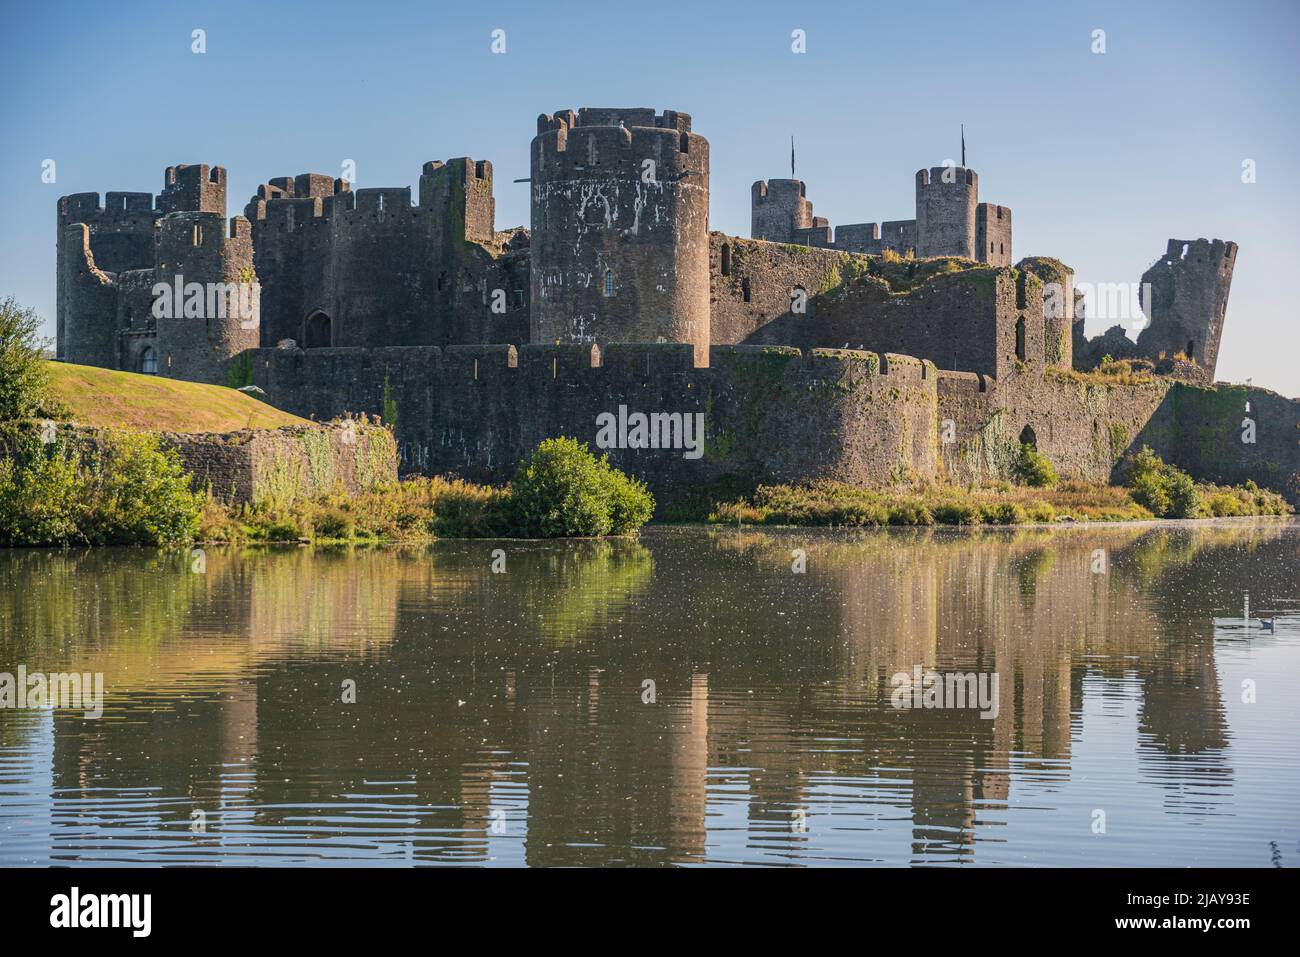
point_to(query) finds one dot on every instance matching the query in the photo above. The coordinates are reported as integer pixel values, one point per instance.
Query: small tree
(1033, 468)
(24, 377)
(564, 490)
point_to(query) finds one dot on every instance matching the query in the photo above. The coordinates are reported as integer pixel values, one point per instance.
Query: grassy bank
(833, 503)
(107, 399)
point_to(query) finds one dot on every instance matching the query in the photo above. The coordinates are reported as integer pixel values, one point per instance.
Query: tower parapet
(197, 189)
(619, 246)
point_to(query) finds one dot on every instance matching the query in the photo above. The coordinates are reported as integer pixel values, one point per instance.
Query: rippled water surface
(509, 718)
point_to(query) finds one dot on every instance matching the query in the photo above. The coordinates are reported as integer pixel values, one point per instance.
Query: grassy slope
(125, 400)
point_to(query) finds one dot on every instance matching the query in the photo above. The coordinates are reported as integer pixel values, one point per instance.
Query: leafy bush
(1005, 513)
(1152, 492)
(24, 376)
(1166, 490)
(564, 490)
(1184, 496)
(910, 511)
(958, 512)
(1040, 512)
(331, 521)
(462, 510)
(40, 495)
(1032, 468)
(125, 490)
(139, 494)
(630, 503)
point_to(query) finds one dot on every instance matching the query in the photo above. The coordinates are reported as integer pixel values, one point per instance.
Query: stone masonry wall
(254, 465)
(771, 414)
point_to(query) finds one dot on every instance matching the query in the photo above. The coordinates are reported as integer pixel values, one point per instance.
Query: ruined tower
(620, 209)
(946, 201)
(94, 244)
(1188, 289)
(779, 208)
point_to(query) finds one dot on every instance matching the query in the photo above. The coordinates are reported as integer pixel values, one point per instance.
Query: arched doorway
(1027, 437)
(148, 361)
(316, 331)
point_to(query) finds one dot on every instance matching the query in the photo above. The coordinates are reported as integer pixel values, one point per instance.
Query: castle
(863, 353)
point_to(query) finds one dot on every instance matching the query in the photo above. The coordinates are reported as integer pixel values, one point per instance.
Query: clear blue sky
(1101, 157)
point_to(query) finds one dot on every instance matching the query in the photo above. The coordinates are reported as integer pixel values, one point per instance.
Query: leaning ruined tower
(620, 229)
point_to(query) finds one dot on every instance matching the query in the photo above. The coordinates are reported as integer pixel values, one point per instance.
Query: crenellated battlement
(594, 152)
(610, 116)
(119, 208)
(947, 177)
(194, 188)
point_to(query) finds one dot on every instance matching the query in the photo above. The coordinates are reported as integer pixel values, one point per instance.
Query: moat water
(690, 698)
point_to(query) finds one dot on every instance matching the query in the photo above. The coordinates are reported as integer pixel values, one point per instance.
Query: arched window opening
(317, 332)
(609, 283)
(1027, 437)
(726, 259)
(149, 361)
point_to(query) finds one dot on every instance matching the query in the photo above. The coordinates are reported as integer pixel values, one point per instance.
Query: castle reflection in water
(504, 717)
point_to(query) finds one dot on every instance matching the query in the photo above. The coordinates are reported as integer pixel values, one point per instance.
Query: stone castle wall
(772, 414)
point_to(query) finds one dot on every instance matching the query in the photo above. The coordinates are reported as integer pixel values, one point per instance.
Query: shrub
(140, 494)
(1224, 503)
(1151, 491)
(1005, 513)
(24, 376)
(1033, 468)
(1041, 512)
(630, 501)
(564, 490)
(461, 510)
(1166, 490)
(958, 512)
(910, 511)
(40, 494)
(1184, 496)
(128, 490)
(330, 521)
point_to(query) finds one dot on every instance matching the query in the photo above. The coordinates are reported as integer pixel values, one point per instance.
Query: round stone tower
(206, 297)
(946, 199)
(620, 229)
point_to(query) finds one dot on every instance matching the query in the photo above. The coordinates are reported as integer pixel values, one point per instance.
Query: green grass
(103, 398)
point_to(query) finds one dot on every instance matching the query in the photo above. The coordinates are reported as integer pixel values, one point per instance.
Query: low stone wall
(284, 465)
(261, 465)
